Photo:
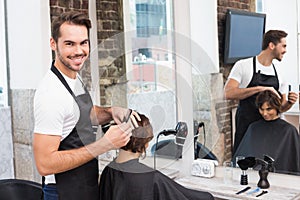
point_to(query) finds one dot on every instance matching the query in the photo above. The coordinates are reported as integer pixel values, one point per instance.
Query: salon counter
(282, 187)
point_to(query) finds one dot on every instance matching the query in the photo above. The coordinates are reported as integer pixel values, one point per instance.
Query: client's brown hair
(140, 136)
(271, 98)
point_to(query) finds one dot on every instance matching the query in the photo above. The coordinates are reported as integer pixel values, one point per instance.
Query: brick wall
(66, 5)
(223, 5)
(111, 47)
(225, 107)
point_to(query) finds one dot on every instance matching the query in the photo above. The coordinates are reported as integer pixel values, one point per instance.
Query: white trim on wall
(95, 90)
(29, 42)
(3, 53)
(287, 21)
(204, 33)
(184, 79)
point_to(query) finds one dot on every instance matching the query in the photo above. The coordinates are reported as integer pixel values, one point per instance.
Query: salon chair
(203, 152)
(166, 149)
(200, 150)
(18, 189)
(169, 149)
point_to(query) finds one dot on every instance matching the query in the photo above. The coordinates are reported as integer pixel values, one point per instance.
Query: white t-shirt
(55, 110)
(242, 72)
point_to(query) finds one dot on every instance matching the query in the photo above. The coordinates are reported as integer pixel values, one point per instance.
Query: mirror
(150, 64)
(148, 84)
(149, 80)
(271, 137)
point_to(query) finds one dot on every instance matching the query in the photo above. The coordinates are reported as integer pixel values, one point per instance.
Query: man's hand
(272, 90)
(118, 135)
(121, 115)
(232, 90)
(292, 97)
(134, 116)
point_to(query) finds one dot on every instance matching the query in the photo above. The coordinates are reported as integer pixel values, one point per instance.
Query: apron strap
(61, 78)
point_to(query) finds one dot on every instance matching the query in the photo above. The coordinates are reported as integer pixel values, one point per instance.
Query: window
(150, 65)
(150, 19)
(259, 6)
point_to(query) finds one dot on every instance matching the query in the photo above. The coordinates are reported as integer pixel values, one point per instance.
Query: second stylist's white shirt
(242, 72)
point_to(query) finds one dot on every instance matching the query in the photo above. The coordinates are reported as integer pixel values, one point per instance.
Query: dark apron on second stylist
(82, 182)
(247, 112)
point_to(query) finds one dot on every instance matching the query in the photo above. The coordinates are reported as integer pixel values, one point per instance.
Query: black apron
(247, 112)
(82, 182)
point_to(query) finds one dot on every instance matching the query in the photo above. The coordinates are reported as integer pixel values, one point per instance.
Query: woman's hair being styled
(71, 17)
(140, 136)
(269, 97)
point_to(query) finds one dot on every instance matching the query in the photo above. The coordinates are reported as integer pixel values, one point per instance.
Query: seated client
(272, 136)
(126, 178)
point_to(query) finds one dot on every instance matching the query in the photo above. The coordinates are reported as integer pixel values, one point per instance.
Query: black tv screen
(243, 34)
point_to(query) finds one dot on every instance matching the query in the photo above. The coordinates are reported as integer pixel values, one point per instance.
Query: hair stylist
(253, 75)
(64, 145)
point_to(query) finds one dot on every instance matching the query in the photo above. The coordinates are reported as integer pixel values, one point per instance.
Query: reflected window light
(150, 66)
(259, 6)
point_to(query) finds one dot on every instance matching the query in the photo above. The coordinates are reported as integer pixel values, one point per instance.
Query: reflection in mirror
(150, 80)
(200, 149)
(171, 148)
(150, 64)
(208, 114)
(272, 136)
(148, 84)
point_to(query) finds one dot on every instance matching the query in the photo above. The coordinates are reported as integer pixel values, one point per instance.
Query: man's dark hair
(273, 36)
(71, 17)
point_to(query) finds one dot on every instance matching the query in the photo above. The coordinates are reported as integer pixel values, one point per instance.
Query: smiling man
(252, 75)
(64, 145)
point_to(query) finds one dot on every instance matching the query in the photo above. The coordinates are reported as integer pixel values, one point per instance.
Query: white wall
(95, 90)
(3, 64)
(28, 39)
(204, 33)
(283, 15)
(198, 46)
(184, 78)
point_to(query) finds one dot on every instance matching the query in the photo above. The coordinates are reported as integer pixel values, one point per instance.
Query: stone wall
(23, 124)
(6, 154)
(112, 67)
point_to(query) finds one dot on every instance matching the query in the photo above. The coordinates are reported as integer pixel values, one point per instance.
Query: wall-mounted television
(243, 34)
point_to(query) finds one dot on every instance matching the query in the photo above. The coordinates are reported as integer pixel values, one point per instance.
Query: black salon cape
(135, 181)
(276, 138)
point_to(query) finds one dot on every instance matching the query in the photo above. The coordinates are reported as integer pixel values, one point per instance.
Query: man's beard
(277, 55)
(65, 63)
